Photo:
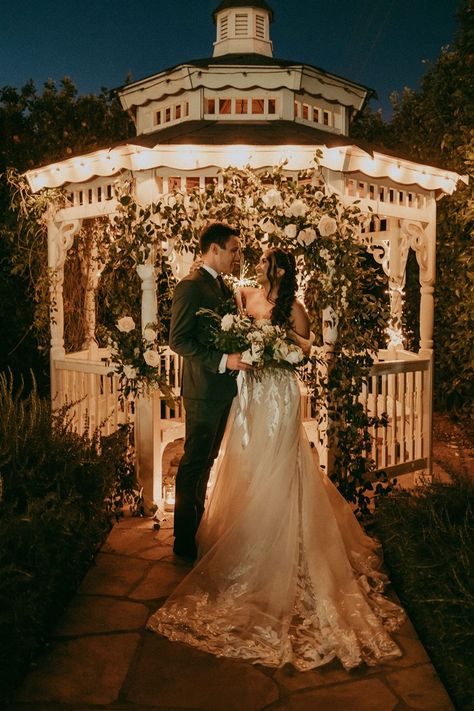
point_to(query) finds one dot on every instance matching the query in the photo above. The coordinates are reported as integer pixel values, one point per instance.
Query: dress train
(285, 572)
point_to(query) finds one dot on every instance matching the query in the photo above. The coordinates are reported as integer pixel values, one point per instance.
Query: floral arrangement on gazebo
(271, 208)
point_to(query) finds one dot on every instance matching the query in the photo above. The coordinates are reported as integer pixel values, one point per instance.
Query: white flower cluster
(128, 354)
(267, 344)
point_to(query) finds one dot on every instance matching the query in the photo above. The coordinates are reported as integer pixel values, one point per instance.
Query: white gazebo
(243, 106)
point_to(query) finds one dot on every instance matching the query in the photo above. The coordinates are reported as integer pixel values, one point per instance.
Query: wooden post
(422, 240)
(60, 239)
(330, 321)
(147, 434)
(89, 267)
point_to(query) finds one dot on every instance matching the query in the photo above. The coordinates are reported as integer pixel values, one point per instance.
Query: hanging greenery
(299, 213)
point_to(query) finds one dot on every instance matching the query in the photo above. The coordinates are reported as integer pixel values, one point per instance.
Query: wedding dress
(285, 572)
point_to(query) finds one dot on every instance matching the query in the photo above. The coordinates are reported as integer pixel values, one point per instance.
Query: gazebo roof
(153, 86)
(227, 4)
(273, 133)
(195, 145)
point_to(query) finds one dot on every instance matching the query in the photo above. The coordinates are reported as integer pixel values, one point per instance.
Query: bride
(285, 573)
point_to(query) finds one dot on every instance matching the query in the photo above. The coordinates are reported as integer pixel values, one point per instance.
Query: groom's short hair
(216, 233)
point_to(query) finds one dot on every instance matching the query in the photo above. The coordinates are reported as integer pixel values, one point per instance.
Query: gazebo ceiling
(197, 145)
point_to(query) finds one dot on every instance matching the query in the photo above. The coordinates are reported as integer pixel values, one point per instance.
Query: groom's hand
(234, 362)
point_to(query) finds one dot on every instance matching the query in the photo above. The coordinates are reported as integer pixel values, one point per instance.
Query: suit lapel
(209, 279)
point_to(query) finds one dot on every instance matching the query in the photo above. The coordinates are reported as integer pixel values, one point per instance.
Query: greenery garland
(299, 213)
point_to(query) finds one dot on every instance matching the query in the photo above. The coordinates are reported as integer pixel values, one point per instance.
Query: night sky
(382, 44)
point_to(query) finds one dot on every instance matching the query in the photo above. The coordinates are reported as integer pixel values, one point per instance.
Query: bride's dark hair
(279, 259)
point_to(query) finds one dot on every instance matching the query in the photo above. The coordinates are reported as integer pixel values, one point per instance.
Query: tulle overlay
(285, 572)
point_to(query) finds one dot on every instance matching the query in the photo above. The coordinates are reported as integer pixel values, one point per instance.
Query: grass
(428, 541)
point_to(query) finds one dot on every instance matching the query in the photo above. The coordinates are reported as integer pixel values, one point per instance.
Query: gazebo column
(396, 272)
(147, 431)
(422, 239)
(90, 269)
(330, 322)
(60, 239)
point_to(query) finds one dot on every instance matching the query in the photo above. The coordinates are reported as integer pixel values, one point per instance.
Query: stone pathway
(102, 657)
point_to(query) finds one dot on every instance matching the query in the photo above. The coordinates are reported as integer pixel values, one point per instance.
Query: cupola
(243, 27)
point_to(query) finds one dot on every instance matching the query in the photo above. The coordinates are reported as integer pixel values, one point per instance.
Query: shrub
(427, 538)
(58, 493)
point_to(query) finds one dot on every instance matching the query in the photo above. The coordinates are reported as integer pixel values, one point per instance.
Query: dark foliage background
(59, 493)
(436, 125)
(38, 127)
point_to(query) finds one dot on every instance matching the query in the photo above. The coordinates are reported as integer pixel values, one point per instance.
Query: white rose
(125, 324)
(272, 198)
(171, 201)
(149, 334)
(298, 208)
(267, 226)
(327, 226)
(129, 372)
(307, 236)
(151, 358)
(290, 231)
(295, 355)
(318, 195)
(227, 322)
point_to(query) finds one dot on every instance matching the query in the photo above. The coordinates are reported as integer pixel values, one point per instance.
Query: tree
(38, 128)
(436, 125)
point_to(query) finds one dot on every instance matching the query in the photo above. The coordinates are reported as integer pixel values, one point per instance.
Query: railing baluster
(384, 410)
(403, 444)
(392, 420)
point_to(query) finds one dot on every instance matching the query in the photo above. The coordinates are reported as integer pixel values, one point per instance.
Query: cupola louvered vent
(224, 27)
(260, 26)
(241, 25)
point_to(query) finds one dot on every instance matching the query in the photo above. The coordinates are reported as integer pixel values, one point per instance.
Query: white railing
(398, 387)
(92, 390)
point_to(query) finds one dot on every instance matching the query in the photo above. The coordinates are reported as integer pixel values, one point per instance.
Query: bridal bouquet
(261, 343)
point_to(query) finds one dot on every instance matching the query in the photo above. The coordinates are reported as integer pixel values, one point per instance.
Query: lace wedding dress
(285, 573)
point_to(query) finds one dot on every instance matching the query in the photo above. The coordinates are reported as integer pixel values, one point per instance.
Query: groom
(208, 387)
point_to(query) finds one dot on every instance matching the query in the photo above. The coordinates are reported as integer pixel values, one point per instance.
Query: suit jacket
(201, 378)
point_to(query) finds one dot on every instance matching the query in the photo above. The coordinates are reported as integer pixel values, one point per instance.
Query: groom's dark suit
(207, 398)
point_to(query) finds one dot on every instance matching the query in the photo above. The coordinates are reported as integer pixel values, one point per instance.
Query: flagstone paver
(170, 674)
(368, 695)
(89, 670)
(159, 581)
(113, 575)
(88, 614)
(420, 688)
(101, 654)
